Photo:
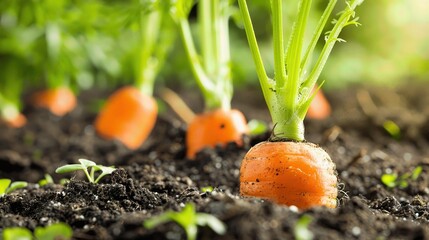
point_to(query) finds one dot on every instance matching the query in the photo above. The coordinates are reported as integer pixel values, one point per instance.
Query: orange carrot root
(59, 101)
(17, 121)
(290, 173)
(215, 127)
(319, 107)
(128, 116)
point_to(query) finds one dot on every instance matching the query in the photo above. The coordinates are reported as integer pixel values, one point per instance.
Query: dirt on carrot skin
(157, 177)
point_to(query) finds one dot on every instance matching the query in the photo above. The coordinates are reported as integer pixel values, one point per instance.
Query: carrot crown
(212, 70)
(289, 94)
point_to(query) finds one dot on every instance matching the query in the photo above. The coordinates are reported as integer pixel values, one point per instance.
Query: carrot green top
(156, 38)
(289, 94)
(212, 71)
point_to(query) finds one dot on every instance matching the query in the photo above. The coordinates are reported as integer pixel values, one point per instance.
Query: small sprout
(300, 230)
(393, 129)
(392, 180)
(84, 165)
(207, 189)
(52, 232)
(47, 180)
(257, 127)
(188, 219)
(7, 186)
(64, 181)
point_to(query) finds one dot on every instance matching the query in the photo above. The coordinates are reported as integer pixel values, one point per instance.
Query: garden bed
(157, 177)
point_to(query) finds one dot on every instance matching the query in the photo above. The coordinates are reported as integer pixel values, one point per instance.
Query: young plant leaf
(416, 173)
(84, 165)
(204, 219)
(393, 129)
(301, 231)
(4, 184)
(16, 185)
(188, 219)
(47, 180)
(15, 233)
(87, 163)
(104, 171)
(54, 231)
(389, 180)
(207, 189)
(69, 168)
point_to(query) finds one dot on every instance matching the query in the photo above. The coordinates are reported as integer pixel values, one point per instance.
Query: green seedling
(393, 129)
(47, 180)
(300, 230)
(189, 220)
(207, 189)
(84, 166)
(7, 186)
(55, 231)
(257, 127)
(393, 180)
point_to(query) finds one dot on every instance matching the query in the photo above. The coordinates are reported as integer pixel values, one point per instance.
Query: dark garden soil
(157, 177)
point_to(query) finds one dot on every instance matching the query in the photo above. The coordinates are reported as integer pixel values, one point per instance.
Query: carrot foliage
(289, 94)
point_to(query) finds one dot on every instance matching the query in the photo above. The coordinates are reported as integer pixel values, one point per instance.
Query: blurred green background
(90, 43)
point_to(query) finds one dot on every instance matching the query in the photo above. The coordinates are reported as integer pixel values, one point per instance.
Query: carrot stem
(289, 98)
(154, 46)
(213, 74)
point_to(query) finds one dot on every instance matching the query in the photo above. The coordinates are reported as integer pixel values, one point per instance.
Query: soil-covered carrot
(130, 113)
(218, 124)
(320, 108)
(306, 177)
(59, 100)
(286, 169)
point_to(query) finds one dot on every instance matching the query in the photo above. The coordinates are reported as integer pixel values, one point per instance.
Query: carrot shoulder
(128, 116)
(217, 127)
(17, 121)
(290, 173)
(59, 101)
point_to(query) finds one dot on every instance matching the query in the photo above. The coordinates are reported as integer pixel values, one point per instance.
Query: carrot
(130, 113)
(16, 121)
(286, 169)
(218, 125)
(128, 116)
(213, 128)
(289, 173)
(59, 101)
(319, 108)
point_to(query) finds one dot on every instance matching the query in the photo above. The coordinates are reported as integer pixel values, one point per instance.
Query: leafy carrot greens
(289, 94)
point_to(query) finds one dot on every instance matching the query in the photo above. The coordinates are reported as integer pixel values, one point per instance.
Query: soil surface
(157, 177)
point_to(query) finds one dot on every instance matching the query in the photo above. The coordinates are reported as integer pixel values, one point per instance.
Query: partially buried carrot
(286, 169)
(59, 101)
(216, 127)
(130, 113)
(218, 124)
(16, 121)
(128, 116)
(290, 173)
(319, 108)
